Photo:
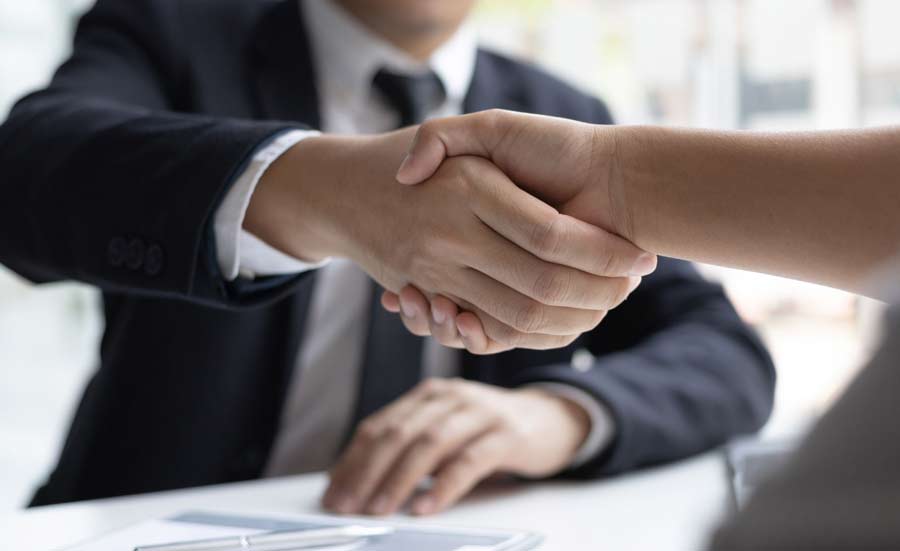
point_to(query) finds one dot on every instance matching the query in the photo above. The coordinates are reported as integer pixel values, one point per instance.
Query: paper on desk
(206, 525)
(153, 532)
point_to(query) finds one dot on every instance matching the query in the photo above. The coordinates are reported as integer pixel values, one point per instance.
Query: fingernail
(425, 505)
(381, 506)
(644, 265)
(439, 317)
(403, 166)
(462, 331)
(408, 309)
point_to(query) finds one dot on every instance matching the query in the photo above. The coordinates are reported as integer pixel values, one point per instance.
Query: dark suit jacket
(111, 175)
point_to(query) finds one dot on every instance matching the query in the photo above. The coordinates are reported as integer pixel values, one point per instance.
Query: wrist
(572, 419)
(294, 205)
(619, 144)
(640, 171)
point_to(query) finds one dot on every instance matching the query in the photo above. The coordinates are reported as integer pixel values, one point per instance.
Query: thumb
(450, 137)
(425, 155)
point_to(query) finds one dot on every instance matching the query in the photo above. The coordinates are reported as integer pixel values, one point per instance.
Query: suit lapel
(392, 364)
(285, 83)
(489, 90)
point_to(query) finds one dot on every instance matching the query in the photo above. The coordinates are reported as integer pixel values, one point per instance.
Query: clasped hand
(572, 166)
(535, 277)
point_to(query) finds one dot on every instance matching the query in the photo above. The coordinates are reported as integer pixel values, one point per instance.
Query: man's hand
(572, 166)
(470, 234)
(458, 433)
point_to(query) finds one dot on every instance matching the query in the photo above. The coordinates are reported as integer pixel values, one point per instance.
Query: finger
(504, 336)
(542, 231)
(473, 336)
(436, 140)
(443, 322)
(444, 312)
(432, 448)
(546, 282)
(415, 311)
(477, 461)
(501, 337)
(525, 314)
(390, 302)
(377, 443)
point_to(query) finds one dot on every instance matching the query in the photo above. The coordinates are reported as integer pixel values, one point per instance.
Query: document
(195, 526)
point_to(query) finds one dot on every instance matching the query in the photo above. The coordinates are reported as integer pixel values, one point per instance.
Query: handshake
(518, 235)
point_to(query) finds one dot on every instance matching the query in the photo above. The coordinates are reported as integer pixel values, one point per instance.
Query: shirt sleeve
(239, 252)
(602, 423)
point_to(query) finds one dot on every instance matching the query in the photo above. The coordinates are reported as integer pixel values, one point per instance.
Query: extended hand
(556, 160)
(458, 433)
(471, 235)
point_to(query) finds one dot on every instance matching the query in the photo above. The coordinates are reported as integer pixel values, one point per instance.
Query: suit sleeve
(105, 181)
(676, 367)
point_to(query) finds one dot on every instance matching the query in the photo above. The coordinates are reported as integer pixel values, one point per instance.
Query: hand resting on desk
(459, 433)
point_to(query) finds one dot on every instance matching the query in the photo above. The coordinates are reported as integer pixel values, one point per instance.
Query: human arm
(114, 182)
(817, 206)
(336, 196)
(104, 180)
(674, 368)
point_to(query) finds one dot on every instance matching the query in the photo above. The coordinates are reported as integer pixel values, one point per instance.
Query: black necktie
(393, 362)
(412, 96)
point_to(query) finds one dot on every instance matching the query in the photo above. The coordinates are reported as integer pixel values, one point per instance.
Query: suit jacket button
(134, 256)
(153, 260)
(115, 251)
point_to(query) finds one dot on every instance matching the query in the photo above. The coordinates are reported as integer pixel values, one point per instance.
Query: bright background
(752, 64)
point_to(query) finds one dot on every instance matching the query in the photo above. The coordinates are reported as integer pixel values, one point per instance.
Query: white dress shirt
(318, 413)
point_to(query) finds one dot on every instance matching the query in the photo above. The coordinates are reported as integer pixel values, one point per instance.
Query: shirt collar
(347, 55)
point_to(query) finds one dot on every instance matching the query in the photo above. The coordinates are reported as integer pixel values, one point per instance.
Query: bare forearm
(821, 207)
(293, 206)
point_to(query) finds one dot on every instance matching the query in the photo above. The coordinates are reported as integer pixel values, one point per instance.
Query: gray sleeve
(841, 490)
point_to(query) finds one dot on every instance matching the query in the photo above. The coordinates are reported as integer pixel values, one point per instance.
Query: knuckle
(458, 388)
(506, 335)
(547, 238)
(433, 437)
(604, 261)
(529, 317)
(469, 459)
(395, 433)
(552, 285)
(368, 431)
(428, 129)
(430, 386)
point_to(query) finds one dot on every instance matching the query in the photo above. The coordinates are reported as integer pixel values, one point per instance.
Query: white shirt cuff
(602, 423)
(237, 250)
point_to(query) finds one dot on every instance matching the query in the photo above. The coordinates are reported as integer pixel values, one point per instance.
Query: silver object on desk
(279, 541)
(752, 461)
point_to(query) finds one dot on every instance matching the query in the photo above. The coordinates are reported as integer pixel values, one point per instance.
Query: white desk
(668, 508)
